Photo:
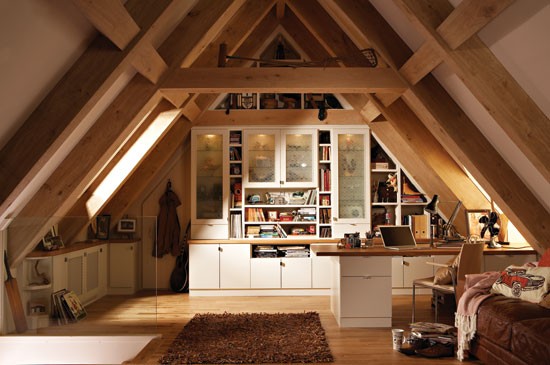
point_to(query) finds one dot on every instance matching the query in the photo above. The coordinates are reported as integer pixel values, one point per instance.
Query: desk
(361, 284)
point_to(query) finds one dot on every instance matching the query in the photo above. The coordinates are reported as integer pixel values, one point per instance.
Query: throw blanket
(476, 290)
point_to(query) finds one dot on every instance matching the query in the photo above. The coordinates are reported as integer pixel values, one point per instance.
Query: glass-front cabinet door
(209, 158)
(262, 163)
(352, 178)
(299, 155)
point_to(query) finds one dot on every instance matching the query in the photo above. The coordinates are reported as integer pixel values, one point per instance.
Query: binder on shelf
(420, 225)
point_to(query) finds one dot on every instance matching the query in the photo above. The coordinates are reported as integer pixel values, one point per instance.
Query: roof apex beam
(277, 79)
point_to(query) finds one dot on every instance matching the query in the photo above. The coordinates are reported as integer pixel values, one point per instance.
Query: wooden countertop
(425, 250)
(268, 241)
(76, 247)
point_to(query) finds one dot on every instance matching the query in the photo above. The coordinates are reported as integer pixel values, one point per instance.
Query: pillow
(530, 284)
(443, 274)
(545, 259)
(545, 302)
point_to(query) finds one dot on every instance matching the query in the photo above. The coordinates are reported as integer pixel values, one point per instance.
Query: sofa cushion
(497, 314)
(530, 340)
(527, 283)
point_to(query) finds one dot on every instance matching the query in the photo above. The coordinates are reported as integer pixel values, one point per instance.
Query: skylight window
(130, 160)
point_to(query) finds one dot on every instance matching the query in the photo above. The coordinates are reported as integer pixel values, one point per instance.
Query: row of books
(325, 232)
(236, 226)
(266, 231)
(294, 251)
(325, 179)
(325, 153)
(235, 137)
(235, 154)
(255, 215)
(324, 215)
(66, 307)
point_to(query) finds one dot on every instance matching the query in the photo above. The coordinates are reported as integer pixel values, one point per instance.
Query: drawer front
(208, 231)
(366, 297)
(365, 266)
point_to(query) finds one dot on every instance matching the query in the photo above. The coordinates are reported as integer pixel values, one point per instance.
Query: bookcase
(395, 197)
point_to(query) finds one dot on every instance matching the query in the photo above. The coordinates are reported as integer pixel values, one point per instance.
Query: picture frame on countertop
(103, 223)
(126, 225)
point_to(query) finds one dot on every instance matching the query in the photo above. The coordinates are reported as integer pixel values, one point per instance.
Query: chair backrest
(471, 259)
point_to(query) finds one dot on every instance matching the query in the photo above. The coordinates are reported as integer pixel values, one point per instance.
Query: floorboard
(167, 313)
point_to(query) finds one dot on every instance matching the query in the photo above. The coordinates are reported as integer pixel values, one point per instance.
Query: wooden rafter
(111, 19)
(509, 105)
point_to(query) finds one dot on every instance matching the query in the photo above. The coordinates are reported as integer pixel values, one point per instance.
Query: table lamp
(431, 208)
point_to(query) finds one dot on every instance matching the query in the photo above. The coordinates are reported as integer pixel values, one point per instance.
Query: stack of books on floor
(436, 332)
(66, 307)
(294, 251)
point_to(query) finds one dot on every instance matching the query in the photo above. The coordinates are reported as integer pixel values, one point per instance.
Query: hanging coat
(168, 225)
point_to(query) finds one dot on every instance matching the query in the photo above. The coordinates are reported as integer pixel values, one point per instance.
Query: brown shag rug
(250, 338)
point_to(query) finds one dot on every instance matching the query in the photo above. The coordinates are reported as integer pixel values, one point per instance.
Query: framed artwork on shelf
(472, 222)
(126, 225)
(103, 223)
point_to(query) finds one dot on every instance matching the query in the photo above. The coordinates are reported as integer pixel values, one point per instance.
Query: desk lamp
(431, 208)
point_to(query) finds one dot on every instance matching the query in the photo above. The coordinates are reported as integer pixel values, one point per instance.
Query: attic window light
(129, 161)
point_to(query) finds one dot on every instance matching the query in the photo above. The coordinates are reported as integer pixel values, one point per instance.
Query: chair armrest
(437, 264)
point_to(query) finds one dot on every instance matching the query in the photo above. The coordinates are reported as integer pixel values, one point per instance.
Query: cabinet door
(204, 266)
(321, 271)
(299, 156)
(209, 159)
(296, 272)
(352, 177)
(234, 266)
(265, 273)
(262, 164)
(91, 274)
(122, 268)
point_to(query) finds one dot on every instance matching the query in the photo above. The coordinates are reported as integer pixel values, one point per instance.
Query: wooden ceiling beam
(469, 17)
(149, 63)
(53, 121)
(281, 4)
(482, 73)
(111, 19)
(421, 63)
(285, 79)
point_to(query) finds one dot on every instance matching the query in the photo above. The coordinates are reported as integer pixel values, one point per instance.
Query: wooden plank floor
(167, 313)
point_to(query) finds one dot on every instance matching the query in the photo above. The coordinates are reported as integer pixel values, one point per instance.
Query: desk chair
(469, 262)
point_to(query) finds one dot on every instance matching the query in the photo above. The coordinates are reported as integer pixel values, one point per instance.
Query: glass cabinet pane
(299, 158)
(261, 158)
(209, 176)
(351, 176)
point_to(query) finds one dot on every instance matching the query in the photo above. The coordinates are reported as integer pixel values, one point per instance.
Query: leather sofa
(512, 331)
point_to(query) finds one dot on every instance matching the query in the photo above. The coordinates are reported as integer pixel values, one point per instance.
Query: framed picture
(103, 223)
(272, 215)
(126, 225)
(52, 241)
(472, 222)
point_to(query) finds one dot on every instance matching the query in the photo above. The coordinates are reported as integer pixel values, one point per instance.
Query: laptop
(398, 237)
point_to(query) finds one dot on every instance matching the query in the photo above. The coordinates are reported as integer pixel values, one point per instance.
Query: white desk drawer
(365, 266)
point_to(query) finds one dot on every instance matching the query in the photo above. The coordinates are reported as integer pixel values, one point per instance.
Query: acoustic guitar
(179, 279)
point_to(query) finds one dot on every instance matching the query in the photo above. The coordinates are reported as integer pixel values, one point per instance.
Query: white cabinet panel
(234, 266)
(204, 267)
(366, 297)
(122, 268)
(321, 271)
(365, 266)
(397, 272)
(265, 273)
(296, 272)
(416, 268)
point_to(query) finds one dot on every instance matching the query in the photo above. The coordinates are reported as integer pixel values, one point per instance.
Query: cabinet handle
(406, 263)
(220, 249)
(66, 259)
(367, 277)
(335, 219)
(85, 254)
(131, 248)
(282, 264)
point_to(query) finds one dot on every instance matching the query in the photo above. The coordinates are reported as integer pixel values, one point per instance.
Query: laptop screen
(397, 236)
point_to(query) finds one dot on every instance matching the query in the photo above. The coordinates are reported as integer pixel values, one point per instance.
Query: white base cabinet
(83, 271)
(361, 293)
(123, 261)
(219, 266)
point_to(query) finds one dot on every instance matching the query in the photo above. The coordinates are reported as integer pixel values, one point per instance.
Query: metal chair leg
(414, 302)
(436, 306)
